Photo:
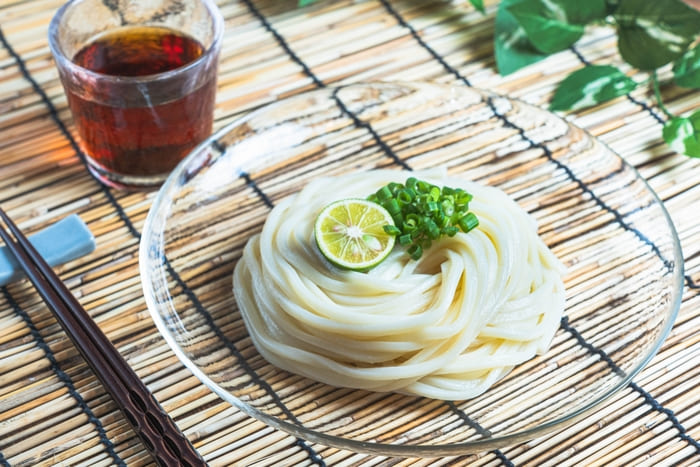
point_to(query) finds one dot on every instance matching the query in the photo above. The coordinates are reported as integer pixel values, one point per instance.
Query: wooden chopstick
(156, 429)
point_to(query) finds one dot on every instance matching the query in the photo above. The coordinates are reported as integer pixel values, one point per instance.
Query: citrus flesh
(350, 233)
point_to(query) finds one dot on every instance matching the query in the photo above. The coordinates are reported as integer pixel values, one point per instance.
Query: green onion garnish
(423, 213)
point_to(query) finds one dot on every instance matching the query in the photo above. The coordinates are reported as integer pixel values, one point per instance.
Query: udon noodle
(447, 326)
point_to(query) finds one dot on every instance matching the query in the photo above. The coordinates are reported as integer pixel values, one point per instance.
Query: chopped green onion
(392, 206)
(411, 223)
(423, 213)
(450, 231)
(405, 239)
(405, 196)
(433, 229)
(423, 187)
(392, 230)
(384, 194)
(468, 222)
(415, 251)
(448, 207)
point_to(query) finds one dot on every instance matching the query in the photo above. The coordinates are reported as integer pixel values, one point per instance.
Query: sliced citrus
(350, 233)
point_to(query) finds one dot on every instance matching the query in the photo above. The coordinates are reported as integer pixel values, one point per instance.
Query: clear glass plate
(596, 213)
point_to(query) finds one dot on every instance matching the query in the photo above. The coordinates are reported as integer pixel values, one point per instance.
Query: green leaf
(654, 33)
(686, 71)
(683, 134)
(306, 2)
(546, 29)
(554, 25)
(590, 86)
(512, 48)
(584, 12)
(478, 4)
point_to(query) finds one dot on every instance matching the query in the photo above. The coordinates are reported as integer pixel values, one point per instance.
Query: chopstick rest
(66, 240)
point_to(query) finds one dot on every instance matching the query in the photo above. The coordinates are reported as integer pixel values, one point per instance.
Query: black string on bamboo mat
(63, 377)
(619, 218)
(3, 460)
(247, 178)
(683, 434)
(254, 186)
(388, 151)
(590, 347)
(648, 398)
(366, 126)
(282, 42)
(402, 22)
(479, 429)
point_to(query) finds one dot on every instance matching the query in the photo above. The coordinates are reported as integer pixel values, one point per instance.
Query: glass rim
(65, 62)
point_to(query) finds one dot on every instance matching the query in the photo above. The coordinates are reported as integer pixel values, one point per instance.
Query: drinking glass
(140, 78)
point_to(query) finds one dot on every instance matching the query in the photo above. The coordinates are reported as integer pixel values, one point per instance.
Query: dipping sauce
(140, 137)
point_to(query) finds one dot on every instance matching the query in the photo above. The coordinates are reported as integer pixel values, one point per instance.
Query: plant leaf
(512, 48)
(478, 4)
(584, 12)
(554, 25)
(654, 33)
(683, 134)
(306, 2)
(591, 85)
(686, 71)
(545, 27)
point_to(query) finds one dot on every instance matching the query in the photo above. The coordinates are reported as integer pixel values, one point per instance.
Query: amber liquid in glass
(146, 140)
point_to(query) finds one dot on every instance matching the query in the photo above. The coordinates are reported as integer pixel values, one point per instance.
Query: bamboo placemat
(52, 409)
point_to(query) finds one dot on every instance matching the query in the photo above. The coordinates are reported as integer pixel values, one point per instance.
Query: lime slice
(350, 233)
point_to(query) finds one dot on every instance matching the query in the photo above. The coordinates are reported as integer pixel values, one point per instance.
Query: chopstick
(158, 432)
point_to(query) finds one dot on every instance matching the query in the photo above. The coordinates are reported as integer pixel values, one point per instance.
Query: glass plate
(596, 213)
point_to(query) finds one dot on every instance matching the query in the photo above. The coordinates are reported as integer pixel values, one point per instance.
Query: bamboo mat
(52, 409)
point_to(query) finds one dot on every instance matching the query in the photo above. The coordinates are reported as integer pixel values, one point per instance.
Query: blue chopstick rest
(58, 243)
